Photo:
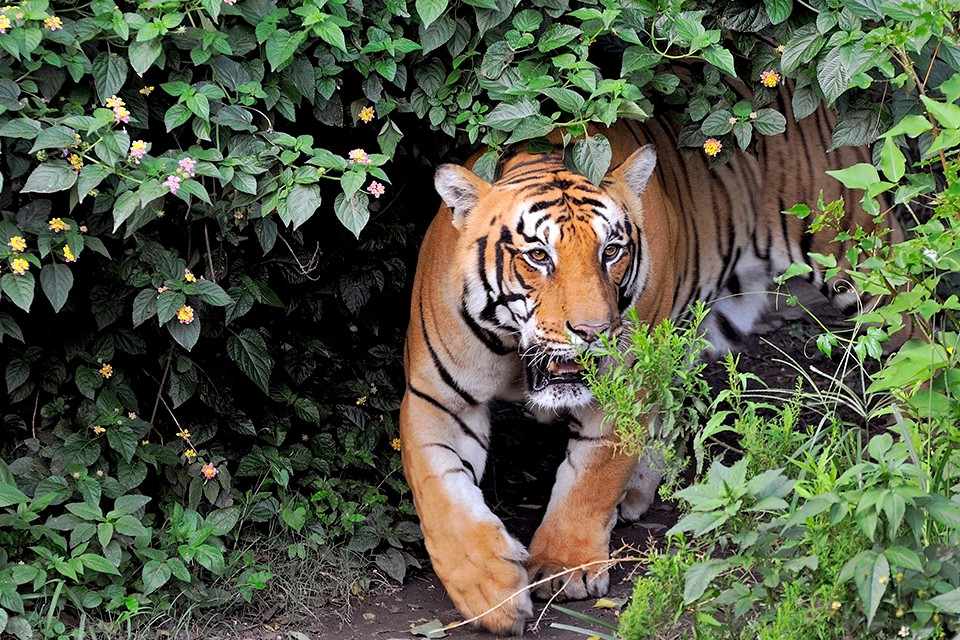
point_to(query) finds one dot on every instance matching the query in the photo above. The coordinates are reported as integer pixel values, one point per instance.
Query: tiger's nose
(589, 332)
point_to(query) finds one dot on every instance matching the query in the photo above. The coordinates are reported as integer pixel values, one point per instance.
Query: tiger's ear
(636, 170)
(460, 189)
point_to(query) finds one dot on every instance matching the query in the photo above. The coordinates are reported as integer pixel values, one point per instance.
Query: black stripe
(488, 338)
(463, 425)
(442, 370)
(466, 463)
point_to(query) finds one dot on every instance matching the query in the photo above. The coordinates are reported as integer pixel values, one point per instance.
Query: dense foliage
(209, 215)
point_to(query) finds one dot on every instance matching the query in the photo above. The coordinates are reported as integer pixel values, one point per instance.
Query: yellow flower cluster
(395, 443)
(4, 23)
(17, 243)
(185, 314)
(770, 78)
(53, 23)
(76, 162)
(183, 433)
(19, 266)
(106, 371)
(57, 225)
(367, 114)
(99, 430)
(68, 254)
(188, 276)
(712, 147)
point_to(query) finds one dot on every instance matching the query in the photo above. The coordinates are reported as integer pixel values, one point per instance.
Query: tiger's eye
(611, 250)
(538, 255)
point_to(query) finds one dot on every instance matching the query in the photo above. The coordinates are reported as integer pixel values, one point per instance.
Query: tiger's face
(549, 262)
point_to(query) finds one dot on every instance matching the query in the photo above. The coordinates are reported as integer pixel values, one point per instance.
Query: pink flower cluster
(187, 168)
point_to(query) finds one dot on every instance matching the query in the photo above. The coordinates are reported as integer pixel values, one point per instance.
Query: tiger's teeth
(558, 368)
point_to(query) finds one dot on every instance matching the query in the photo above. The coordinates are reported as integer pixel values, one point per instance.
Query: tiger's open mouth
(544, 371)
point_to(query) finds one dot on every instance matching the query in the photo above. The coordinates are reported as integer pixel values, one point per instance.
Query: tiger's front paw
(485, 573)
(578, 566)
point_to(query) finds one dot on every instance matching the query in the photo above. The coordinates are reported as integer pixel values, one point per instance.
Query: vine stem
(206, 237)
(163, 381)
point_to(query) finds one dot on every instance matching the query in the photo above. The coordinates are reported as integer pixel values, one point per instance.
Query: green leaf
(430, 10)
(104, 534)
(281, 46)
(947, 115)
(210, 558)
(19, 288)
(186, 335)
(56, 280)
(778, 10)
(127, 203)
(85, 511)
(507, 116)
(698, 578)
(26, 128)
(50, 177)
(144, 306)
(351, 181)
(300, 204)
(131, 526)
(143, 54)
(10, 495)
(80, 450)
(948, 602)
(9, 327)
(249, 351)
(912, 126)
(892, 161)
(212, 293)
(168, 303)
(803, 46)
(353, 212)
(859, 176)
(98, 563)
(109, 74)
(719, 57)
(56, 137)
(833, 76)
(155, 575)
(717, 123)
(199, 105)
(18, 372)
(872, 587)
(592, 156)
(770, 122)
(123, 440)
(90, 176)
(330, 33)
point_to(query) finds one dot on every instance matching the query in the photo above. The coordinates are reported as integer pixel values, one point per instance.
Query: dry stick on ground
(543, 612)
(609, 561)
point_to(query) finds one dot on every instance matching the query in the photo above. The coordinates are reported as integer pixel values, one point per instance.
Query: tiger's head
(549, 262)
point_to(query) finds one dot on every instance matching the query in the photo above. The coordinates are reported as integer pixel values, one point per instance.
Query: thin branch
(163, 381)
(312, 264)
(212, 275)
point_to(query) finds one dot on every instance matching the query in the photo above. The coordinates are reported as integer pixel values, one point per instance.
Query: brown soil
(517, 486)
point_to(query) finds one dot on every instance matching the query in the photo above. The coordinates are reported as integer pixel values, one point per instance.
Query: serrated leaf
(948, 602)
(90, 176)
(300, 204)
(778, 10)
(186, 335)
(55, 137)
(123, 440)
(592, 156)
(859, 176)
(50, 177)
(10, 495)
(832, 75)
(109, 74)
(212, 293)
(699, 576)
(124, 207)
(249, 351)
(144, 306)
(98, 563)
(353, 212)
(56, 280)
(430, 10)
(719, 57)
(19, 288)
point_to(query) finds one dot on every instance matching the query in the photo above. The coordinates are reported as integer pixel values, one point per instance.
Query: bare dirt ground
(524, 458)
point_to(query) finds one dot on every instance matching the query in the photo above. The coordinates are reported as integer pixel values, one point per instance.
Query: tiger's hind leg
(479, 563)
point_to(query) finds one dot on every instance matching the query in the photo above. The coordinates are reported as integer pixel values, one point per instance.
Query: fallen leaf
(609, 603)
(432, 629)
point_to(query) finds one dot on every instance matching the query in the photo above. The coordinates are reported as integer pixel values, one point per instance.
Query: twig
(609, 561)
(305, 269)
(163, 381)
(206, 236)
(33, 420)
(543, 612)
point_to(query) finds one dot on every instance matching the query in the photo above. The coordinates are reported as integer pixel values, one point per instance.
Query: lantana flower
(395, 443)
(188, 165)
(185, 314)
(68, 254)
(138, 149)
(113, 102)
(173, 183)
(209, 471)
(190, 454)
(188, 276)
(57, 225)
(367, 114)
(17, 243)
(53, 23)
(99, 430)
(120, 114)
(19, 266)
(106, 371)
(183, 433)
(770, 78)
(376, 189)
(4, 23)
(76, 162)
(359, 156)
(712, 147)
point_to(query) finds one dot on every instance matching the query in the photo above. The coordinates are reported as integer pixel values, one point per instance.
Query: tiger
(516, 277)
